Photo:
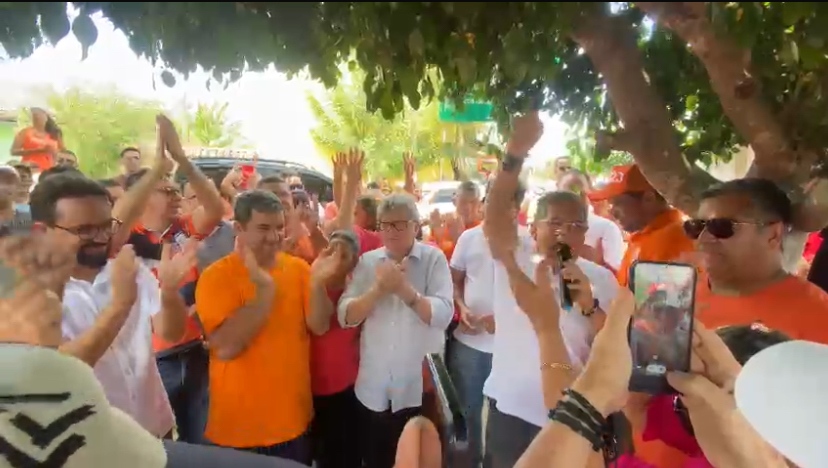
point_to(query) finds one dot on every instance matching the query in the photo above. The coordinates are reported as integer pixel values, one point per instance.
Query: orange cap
(623, 179)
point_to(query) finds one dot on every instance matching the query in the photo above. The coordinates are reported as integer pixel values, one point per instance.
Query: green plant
(209, 126)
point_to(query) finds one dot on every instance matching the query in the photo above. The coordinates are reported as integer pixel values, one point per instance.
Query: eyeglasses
(562, 225)
(92, 232)
(720, 228)
(398, 226)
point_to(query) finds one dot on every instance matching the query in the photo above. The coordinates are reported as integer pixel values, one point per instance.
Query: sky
(272, 110)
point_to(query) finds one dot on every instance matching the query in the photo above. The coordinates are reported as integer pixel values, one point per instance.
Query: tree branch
(609, 41)
(728, 66)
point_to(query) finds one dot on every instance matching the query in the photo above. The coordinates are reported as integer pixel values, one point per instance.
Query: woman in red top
(38, 143)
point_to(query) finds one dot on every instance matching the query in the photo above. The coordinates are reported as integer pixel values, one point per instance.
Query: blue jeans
(299, 450)
(184, 373)
(469, 369)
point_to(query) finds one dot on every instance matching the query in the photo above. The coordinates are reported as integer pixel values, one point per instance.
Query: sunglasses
(720, 228)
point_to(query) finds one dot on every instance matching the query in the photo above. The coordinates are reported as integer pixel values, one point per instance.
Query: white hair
(399, 201)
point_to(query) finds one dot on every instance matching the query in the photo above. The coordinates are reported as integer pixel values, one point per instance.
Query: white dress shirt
(473, 257)
(127, 370)
(394, 341)
(515, 380)
(609, 235)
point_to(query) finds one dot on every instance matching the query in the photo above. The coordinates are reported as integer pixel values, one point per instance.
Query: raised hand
(409, 164)
(526, 131)
(31, 311)
(329, 262)
(390, 276)
(174, 267)
(124, 278)
(169, 134)
(354, 163)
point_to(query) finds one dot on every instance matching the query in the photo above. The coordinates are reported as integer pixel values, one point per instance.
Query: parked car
(216, 167)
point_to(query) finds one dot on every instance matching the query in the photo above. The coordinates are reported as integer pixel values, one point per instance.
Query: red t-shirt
(335, 355)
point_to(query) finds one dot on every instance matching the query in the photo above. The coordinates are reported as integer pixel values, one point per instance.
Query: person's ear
(419, 445)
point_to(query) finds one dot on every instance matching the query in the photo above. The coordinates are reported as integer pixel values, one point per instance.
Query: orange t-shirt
(263, 396)
(447, 245)
(793, 306)
(663, 240)
(32, 141)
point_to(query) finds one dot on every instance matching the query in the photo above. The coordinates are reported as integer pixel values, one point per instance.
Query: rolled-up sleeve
(361, 281)
(439, 291)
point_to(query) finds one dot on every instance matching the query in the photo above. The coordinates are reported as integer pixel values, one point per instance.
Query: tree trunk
(648, 133)
(457, 171)
(728, 67)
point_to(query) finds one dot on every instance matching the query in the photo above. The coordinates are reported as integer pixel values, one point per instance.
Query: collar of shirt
(415, 252)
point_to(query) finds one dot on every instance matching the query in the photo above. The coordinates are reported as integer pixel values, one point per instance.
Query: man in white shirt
(401, 294)
(111, 307)
(517, 410)
(469, 351)
(603, 235)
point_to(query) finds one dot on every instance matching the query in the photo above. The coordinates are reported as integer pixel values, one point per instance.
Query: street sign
(474, 111)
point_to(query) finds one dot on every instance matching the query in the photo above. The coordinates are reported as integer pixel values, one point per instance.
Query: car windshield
(443, 196)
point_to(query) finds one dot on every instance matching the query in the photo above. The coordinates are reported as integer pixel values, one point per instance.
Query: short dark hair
(133, 178)
(47, 193)
(349, 237)
(66, 151)
(128, 149)
(55, 170)
(470, 188)
(769, 201)
(271, 179)
(744, 341)
(369, 204)
(255, 200)
(373, 186)
(553, 198)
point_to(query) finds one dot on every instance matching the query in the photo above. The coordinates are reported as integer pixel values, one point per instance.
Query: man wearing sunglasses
(655, 228)
(738, 233)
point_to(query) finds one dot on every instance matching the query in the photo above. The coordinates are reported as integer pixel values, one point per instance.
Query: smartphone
(454, 432)
(19, 226)
(661, 330)
(247, 171)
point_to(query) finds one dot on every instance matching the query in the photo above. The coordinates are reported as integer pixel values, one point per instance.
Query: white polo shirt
(127, 371)
(609, 235)
(515, 380)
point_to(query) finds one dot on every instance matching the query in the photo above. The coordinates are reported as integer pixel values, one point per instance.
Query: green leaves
(86, 32)
(168, 78)
(53, 21)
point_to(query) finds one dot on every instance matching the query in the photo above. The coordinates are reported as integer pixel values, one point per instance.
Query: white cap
(51, 405)
(781, 391)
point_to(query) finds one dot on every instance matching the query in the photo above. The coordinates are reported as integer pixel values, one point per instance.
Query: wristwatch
(512, 163)
(588, 313)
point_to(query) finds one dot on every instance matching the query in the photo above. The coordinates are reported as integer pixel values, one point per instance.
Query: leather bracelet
(511, 163)
(575, 410)
(587, 406)
(596, 440)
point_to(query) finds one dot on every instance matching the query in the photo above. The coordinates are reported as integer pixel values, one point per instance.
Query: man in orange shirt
(254, 305)
(739, 232)
(655, 228)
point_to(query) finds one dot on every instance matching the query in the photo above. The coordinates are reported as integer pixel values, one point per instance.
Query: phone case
(650, 384)
(454, 432)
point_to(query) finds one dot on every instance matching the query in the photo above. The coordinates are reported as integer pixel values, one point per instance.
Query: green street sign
(474, 111)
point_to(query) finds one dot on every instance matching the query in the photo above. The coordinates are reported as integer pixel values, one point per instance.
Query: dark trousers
(507, 437)
(298, 450)
(184, 373)
(335, 431)
(382, 432)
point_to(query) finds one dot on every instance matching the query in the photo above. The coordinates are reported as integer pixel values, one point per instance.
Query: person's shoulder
(228, 264)
(430, 250)
(473, 234)
(806, 291)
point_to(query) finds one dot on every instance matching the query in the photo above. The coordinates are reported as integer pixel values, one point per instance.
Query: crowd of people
(234, 316)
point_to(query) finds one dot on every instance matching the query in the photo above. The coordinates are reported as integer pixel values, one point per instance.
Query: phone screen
(247, 171)
(661, 328)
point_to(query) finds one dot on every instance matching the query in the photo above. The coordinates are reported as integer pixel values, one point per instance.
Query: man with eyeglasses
(655, 228)
(401, 294)
(111, 306)
(738, 234)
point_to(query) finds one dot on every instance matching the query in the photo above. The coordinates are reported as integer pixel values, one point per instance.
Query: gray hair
(261, 201)
(554, 198)
(399, 201)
